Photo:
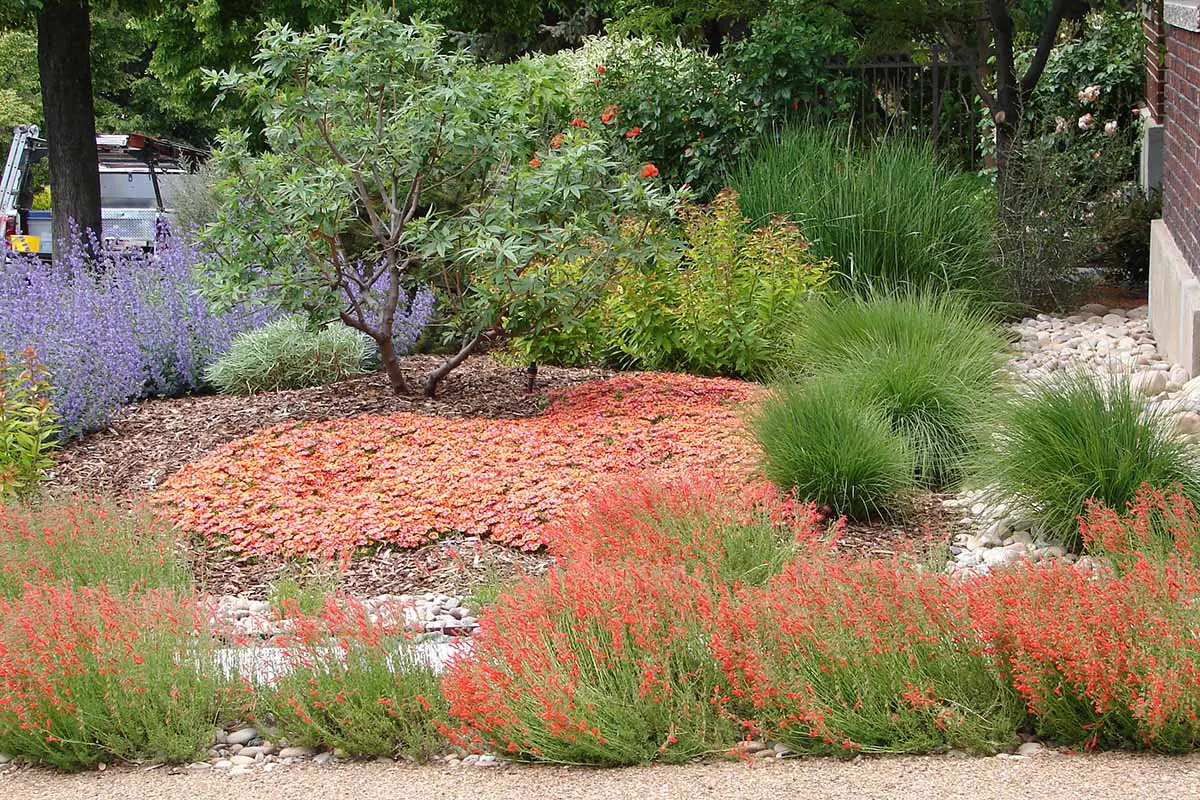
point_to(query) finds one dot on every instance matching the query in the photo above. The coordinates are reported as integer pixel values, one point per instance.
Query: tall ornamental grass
(890, 213)
(128, 325)
(931, 363)
(1083, 438)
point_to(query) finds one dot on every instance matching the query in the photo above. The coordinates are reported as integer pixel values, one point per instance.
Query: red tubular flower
(578, 122)
(533, 162)
(649, 171)
(607, 116)
(634, 131)
(600, 68)
(558, 139)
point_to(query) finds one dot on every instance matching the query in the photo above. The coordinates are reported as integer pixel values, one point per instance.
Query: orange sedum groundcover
(322, 488)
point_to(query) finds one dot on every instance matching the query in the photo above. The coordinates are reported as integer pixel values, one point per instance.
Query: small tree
(394, 163)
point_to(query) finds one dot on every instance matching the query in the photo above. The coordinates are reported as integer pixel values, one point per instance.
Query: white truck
(139, 178)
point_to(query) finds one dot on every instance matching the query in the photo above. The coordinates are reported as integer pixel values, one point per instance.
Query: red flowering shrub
(325, 487)
(86, 541)
(732, 537)
(600, 666)
(352, 682)
(1103, 662)
(89, 676)
(835, 655)
(1159, 524)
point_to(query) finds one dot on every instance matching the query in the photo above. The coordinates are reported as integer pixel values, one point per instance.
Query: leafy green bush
(674, 107)
(1084, 438)
(288, 354)
(724, 309)
(85, 542)
(891, 214)
(28, 426)
(833, 449)
(930, 362)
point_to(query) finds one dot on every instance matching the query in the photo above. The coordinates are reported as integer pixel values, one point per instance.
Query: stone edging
(1182, 14)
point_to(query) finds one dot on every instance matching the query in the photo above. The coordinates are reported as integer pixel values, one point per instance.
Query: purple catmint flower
(130, 325)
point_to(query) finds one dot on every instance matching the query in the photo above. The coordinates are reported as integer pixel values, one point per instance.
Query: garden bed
(149, 440)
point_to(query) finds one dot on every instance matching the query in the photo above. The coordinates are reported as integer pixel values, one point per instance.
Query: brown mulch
(148, 441)
(923, 529)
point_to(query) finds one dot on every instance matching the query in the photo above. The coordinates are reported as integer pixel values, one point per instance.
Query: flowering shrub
(1158, 524)
(352, 683)
(732, 538)
(323, 487)
(1100, 662)
(672, 106)
(88, 675)
(130, 326)
(28, 427)
(836, 655)
(87, 542)
(595, 666)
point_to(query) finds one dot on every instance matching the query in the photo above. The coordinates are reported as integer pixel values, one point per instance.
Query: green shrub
(288, 354)
(28, 426)
(86, 542)
(930, 362)
(890, 213)
(723, 310)
(1079, 439)
(356, 684)
(833, 449)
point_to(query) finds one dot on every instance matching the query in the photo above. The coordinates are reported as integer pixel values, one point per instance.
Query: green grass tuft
(1085, 437)
(288, 354)
(818, 439)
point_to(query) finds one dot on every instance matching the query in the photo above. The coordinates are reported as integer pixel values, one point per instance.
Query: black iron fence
(932, 98)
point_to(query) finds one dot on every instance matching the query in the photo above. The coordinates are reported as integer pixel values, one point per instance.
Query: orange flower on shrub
(578, 122)
(533, 162)
(632, 132)
(649, 171)
(558, 139)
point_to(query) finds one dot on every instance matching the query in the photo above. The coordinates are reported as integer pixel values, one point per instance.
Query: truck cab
(139, 178)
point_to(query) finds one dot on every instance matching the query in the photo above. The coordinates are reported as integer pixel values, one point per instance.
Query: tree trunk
(65, 70)
(387, 354)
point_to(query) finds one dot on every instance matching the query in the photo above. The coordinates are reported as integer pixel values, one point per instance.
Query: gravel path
(1050, 775)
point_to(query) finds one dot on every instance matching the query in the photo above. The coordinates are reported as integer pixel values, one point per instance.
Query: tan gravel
(1050, 775)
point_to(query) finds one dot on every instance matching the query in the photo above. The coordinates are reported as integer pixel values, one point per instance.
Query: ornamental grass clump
(891, 213)
(730, 538)
(88, 675)
(834, 450)
(606, 666)
(353, 681)
(931, 363)
(88, 542)
(126, 326)
(1082, 438)
(1101, 661)
(837, 656)
(289, 353)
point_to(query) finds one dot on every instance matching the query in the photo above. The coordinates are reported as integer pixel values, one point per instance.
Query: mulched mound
(150, 440)
(325, 488)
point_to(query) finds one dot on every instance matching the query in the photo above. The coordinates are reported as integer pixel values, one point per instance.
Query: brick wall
(1152, 27)
(1181, 173)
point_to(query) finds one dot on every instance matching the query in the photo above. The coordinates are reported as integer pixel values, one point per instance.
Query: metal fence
(933, 99)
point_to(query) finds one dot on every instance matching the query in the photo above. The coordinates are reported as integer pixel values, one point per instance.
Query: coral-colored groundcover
(322, 488)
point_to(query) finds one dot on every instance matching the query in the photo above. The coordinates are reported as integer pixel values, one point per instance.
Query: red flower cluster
(327, 487)
(649, 171)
